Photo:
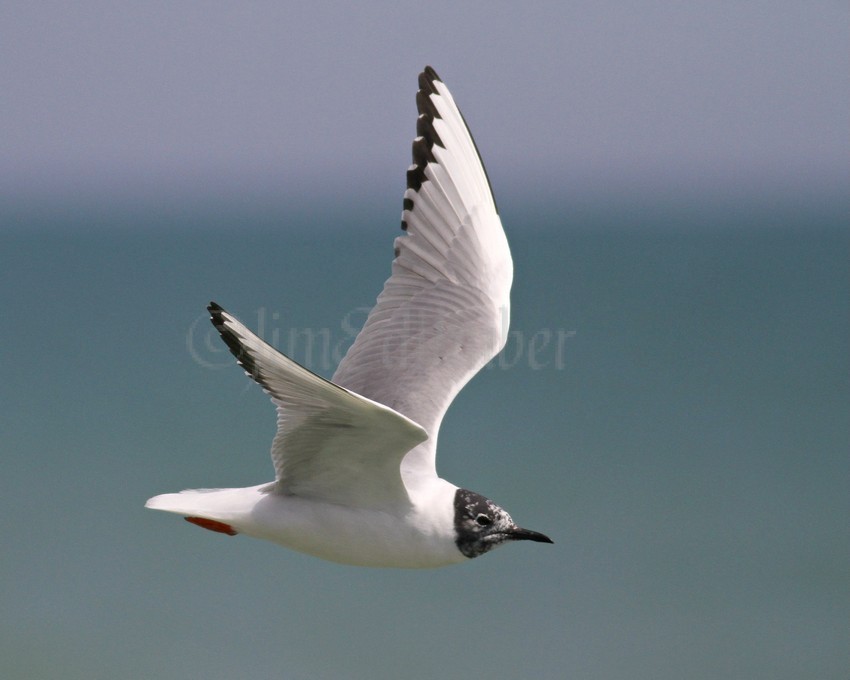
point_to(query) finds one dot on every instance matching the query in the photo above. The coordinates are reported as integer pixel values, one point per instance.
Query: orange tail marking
(212, 525)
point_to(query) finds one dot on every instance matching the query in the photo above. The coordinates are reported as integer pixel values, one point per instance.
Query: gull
(354, 457)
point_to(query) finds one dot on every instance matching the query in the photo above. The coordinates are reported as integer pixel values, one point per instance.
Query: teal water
(672, 409)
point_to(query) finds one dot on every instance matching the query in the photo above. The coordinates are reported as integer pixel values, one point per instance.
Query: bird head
(481, 525)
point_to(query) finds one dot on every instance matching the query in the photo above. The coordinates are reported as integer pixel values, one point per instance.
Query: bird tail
(222, 510)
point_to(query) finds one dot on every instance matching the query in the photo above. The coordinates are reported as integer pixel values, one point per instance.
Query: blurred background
(672, 406)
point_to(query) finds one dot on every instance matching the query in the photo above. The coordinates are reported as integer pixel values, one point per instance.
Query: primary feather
(445, 311)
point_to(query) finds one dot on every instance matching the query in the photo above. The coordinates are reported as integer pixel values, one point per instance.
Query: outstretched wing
(331, 444)
(444, 312)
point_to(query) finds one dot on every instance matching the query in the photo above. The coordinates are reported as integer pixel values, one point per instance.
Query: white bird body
(356, 478)
(411, 537)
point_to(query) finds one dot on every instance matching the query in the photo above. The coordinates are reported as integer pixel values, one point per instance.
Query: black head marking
(481, 525)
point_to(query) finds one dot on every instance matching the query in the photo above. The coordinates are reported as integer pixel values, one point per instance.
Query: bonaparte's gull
(354, 458)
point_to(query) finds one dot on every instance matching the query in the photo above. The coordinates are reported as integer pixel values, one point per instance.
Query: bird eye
(483, 520)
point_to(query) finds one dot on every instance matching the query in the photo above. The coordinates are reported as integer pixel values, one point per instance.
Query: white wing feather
(444, 312)
(331, 444)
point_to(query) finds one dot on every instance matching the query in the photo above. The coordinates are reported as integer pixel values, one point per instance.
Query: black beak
(517, 534)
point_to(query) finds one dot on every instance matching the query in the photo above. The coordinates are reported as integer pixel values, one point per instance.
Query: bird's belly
(350, 535)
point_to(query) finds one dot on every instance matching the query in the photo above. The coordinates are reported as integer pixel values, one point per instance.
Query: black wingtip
(425, 122)
(217, 317)
(427, 136)
(416, 176)
(234, 344)
(425, 106)
(421, 152)
(429, 73)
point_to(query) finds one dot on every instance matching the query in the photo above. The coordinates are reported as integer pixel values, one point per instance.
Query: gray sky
(279, 99)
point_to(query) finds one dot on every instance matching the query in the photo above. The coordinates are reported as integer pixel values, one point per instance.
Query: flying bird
(354, 457)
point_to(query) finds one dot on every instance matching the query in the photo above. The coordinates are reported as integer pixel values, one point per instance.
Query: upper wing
(445, 310)
(331, 443)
